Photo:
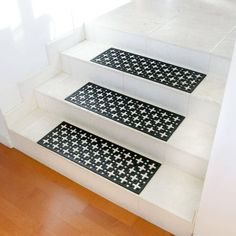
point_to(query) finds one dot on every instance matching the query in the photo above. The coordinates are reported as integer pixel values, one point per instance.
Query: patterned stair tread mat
(128, 111)
(113, 162)
(151, 69)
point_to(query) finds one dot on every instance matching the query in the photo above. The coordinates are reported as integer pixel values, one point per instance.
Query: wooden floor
(35, 200)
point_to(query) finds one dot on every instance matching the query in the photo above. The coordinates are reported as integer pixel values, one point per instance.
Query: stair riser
(191, 59)
(127, 137)
(101, 186)
(89, 71)
(171, 99)
(220, 65)
(204, 110)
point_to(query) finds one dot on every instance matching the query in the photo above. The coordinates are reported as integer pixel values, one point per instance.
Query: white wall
(4, 136)
(217, 214)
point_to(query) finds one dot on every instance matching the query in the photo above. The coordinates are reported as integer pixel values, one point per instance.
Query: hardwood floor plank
(142, 227)
(9, 228)
(17, 216)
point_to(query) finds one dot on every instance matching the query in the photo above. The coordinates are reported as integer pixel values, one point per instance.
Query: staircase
(129, 122)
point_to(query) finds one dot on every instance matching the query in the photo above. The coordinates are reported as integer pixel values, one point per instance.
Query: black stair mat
(151, 69)
(115, 163)
(136, 114)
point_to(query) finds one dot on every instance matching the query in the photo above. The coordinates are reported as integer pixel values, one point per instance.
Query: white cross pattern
(131, 112)
(147, 68)
(119, 165)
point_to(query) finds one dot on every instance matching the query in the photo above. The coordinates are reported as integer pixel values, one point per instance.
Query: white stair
(200, 104)
(188, 148)
(170, 199)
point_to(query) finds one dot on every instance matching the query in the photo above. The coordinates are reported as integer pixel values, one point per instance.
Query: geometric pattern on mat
(131, 112)
(151, 69)
(115, 163)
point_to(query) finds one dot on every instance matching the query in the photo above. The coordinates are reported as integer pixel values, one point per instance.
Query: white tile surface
(193, 137)
(174, 190)
(211, 88)
(129, 24)
(86, 50)
(55, 47)
(170, 222)
(232, 34)
(205, 101)
(36, 125)
(187, 58)
(172, 99)
(20, 112)
(102, 34)
(190, 163)
(98, 74)
(225, 48)
(200, 31)
(219, 65)
(76, 61)
(204, 110)
(148, 10)
(185, 32)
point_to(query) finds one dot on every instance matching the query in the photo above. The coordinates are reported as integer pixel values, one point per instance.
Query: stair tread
(170, 189)
(191, 136)
(169, 75)
(127, 111)
(151, 69)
